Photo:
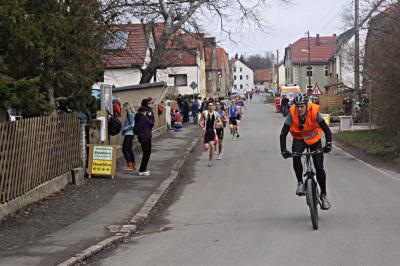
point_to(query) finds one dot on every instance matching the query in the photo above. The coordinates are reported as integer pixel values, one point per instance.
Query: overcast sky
(287, 24)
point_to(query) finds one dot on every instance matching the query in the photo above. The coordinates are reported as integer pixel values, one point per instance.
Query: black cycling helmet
(301, 98)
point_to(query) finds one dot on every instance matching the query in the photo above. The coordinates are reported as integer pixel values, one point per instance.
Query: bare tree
(383, 71)
(183, 16)
(259, 61)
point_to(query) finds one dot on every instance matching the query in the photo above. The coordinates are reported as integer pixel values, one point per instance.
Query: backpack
(114, 125)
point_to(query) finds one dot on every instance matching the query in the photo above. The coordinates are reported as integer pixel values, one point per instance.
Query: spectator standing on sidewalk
(143, 128)
(285, 105)
(185, 111)
(127, 132)
(145, 105)
(195, 110)
(117, 107)
(348, 106)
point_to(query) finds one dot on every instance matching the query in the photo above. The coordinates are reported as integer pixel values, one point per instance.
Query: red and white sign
(316, 90)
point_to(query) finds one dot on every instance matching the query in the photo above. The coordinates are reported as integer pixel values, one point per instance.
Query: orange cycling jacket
(312, 132)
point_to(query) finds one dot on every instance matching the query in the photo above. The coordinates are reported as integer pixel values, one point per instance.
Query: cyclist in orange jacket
(306, 125)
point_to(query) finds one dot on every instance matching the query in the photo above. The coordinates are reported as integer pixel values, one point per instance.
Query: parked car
(240, 95)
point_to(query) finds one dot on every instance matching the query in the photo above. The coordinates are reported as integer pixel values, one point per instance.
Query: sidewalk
(357, 126)
(53, 230)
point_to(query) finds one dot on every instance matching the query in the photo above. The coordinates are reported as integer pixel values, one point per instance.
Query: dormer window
(116, 40)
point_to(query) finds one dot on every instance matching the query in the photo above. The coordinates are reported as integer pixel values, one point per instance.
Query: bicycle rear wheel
(312, 200)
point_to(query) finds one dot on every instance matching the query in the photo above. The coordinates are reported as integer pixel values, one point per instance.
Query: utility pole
(273, 69)
(309, 64)
(357, 51)
(370, 103)
(277, 71)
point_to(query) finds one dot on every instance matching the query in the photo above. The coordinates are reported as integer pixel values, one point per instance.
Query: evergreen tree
(50, 54)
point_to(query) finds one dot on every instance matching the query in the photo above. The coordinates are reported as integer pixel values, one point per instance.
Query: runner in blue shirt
(234, 111)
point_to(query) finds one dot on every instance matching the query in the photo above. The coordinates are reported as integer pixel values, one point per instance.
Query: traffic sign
(193, 85)
(316, 90)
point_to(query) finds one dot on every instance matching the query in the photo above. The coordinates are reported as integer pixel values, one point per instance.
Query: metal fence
(35, 150)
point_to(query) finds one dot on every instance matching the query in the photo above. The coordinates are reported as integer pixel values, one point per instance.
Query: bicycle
(310, 185)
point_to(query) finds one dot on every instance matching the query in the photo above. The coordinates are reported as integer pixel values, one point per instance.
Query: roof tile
(322, 48)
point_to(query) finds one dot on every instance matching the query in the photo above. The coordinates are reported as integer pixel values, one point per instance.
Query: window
(241, 69)
(309, 71)
(234, 77)
(234, 69)
(180, 79)
(241, 77)
(326, 71)
(116, 40)
(247, 77)
(241, 86)
(235, 86)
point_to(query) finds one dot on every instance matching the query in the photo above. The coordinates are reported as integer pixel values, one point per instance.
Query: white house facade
(122, 77)
(243, 76)
(183, 76)
(345, 58)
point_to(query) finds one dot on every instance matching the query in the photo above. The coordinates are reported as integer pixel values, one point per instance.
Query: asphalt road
(244, 211)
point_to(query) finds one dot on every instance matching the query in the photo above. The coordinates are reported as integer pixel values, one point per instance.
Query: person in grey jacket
(144, 123)
(127, 132)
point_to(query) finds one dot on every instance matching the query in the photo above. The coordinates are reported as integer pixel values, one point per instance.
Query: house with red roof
(128, 52)
(296, 61)
(263, 78)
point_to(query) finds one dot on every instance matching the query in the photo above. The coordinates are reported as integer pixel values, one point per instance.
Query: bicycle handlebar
(318, 151)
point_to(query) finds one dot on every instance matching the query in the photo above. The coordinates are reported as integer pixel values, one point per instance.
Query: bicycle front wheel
(312, 200)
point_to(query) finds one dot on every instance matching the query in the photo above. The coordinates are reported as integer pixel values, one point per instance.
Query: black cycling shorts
(209, 136)
(232, 121)
(220, 133)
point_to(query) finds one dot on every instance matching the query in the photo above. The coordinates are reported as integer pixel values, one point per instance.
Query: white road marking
(390, 174)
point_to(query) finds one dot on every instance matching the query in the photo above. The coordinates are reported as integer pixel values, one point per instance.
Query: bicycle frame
(311, 187)
(308, 165)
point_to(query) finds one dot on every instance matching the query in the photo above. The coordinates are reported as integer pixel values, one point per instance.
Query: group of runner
(214, 120)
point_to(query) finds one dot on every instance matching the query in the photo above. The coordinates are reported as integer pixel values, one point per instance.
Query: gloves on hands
(286, 154)
(327, 148)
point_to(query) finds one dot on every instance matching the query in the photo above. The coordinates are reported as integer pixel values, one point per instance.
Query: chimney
(318, 40)
(334, 35)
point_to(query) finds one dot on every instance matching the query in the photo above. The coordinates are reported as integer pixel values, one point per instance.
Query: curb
(139, 218)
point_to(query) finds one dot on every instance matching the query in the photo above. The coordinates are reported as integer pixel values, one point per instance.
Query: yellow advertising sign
(102, 167)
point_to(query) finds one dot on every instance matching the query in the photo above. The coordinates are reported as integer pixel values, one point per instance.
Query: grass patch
(372, 143)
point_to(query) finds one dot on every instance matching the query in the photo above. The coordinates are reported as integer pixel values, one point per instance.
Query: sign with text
(102, 153)
(102, 167)
(102, 160)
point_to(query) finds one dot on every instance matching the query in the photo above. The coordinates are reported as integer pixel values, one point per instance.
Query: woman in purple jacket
(144, 122)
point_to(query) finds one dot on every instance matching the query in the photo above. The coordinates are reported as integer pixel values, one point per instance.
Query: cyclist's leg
(298, 146)
(319, 166)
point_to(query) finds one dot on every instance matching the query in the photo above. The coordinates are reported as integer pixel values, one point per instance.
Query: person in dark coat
(146, 106)
(185, 111)
(285, 105)
(195, 110)
(179, 101)
(144, 124)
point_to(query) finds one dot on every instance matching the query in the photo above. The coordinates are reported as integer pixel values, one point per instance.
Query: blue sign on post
(193, 85)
